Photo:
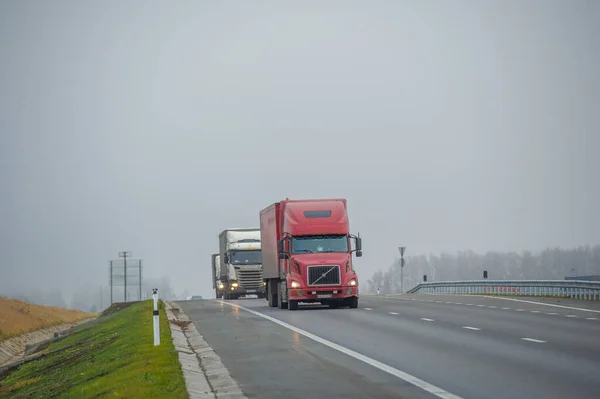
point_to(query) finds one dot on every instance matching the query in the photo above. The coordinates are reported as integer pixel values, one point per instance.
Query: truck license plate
(324, 296)
(250, 290)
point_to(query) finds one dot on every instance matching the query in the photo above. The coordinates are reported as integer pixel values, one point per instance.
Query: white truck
(216, 275)
(241, 269)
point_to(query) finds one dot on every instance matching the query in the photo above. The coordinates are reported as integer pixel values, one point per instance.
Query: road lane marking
(469, 304)
(543, 304)
(367, 309)
(439, 301)
(539, 341)
(471, 328)
(458, 303)
(591, 318)
(492, 307)
(535, 311)
(505, 308)
(430, 300)
(426, 319)
(520, 310)
(426, 386)
(449, 302)
(552, 313)
(571, 315)
(393, 313)
(480, 306)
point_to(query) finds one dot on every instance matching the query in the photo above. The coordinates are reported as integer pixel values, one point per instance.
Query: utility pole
(402, 249)
(111, 281)
(124, 255)
(140, 269)
(101, 308)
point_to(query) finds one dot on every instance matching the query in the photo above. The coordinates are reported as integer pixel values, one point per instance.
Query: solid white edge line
(424, 385)
(540, 303)
(539, 341)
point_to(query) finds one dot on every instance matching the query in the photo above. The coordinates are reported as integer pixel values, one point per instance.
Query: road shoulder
(204, 373)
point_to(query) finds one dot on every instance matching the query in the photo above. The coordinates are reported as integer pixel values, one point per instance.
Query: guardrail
(577, 289)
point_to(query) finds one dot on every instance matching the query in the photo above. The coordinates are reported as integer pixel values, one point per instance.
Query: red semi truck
(307, 253)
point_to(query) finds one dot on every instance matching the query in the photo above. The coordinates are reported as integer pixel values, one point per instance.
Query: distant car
(196, 297)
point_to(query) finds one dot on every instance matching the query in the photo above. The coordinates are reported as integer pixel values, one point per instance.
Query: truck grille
(250, 279)
(324, 275)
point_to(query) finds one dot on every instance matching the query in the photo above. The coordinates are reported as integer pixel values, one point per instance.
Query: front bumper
(316, 294)
(245, 291)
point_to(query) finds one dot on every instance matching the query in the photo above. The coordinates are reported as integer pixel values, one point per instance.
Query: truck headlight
(265, 283)
(352, 282)
(295, 284)
(221, 286)
(234, 285)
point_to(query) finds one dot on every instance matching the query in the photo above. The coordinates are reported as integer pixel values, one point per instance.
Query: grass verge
(114, 358)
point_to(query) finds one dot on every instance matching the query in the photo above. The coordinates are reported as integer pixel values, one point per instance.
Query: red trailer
(307, 253)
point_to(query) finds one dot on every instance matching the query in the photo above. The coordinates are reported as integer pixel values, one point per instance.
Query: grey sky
(151, 126)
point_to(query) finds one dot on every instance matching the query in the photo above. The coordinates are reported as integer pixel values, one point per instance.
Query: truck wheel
(353, 302)
(282, 305)
(293, 305)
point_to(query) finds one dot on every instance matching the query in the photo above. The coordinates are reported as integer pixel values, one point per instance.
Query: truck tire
(353, 302)
(272, 294)
(280, 303)
(292, 305)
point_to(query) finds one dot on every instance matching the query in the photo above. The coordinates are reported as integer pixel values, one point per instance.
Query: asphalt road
(472, 347)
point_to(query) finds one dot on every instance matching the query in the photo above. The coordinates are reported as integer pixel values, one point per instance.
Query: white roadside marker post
(155, 317)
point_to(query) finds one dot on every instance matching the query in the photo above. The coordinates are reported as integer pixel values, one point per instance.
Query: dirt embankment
(23, 323)
(18, 317)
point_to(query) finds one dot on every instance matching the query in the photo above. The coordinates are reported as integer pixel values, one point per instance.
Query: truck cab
(241, 263)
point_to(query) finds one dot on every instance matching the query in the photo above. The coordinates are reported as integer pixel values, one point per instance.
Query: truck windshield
(245, 257)
(328, 243)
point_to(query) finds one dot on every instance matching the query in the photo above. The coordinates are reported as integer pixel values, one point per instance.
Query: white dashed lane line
(552, 314)
(591, 318)
(471, 328)
(505, 308)
(426, 319)
(520, 310)
(539, 341)
(368, 309)
(492, 307)
(394, 313)
(535, 311)
(571, 315)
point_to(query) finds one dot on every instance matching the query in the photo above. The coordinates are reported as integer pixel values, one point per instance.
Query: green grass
(113, 358)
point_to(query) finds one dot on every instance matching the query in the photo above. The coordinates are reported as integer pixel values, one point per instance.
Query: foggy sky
(152, 126)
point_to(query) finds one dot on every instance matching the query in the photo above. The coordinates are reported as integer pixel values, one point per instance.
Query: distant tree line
(549, 264)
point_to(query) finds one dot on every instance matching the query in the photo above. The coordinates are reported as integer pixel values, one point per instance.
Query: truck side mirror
(359, 253)
(225, 258)
(358, 244)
